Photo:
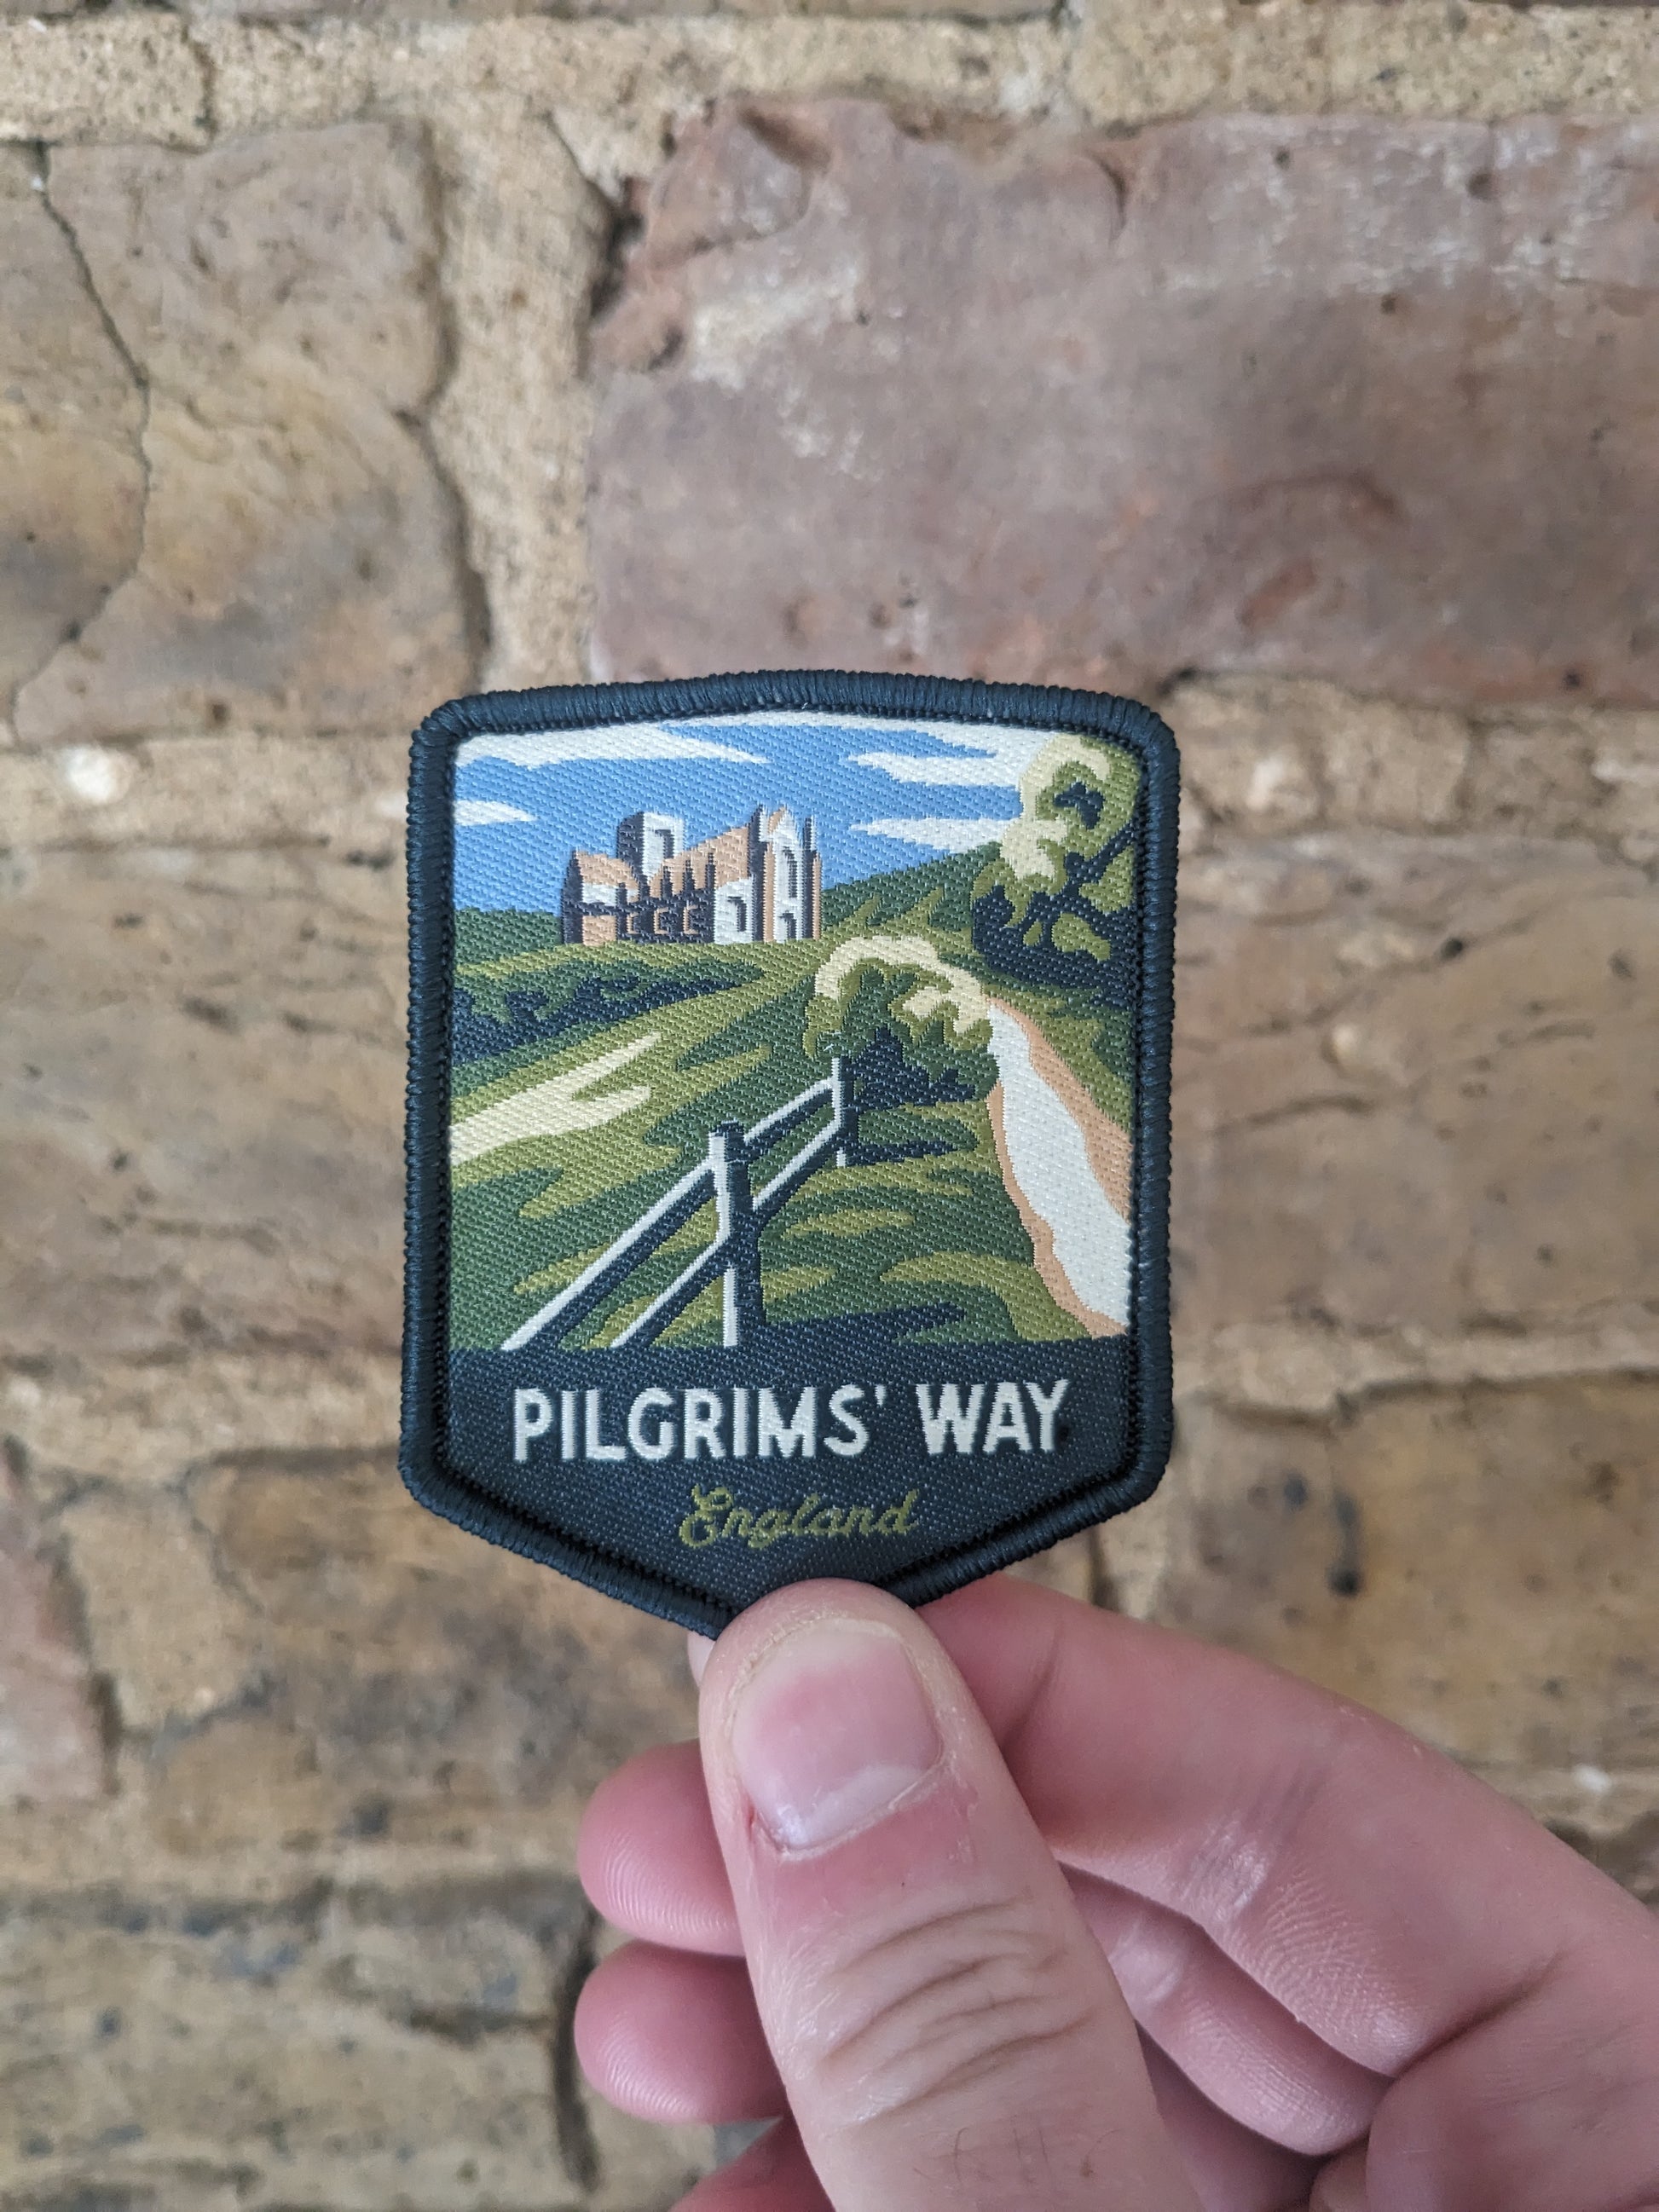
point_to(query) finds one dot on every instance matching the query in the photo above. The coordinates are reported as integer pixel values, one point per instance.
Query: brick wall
(1295, 363)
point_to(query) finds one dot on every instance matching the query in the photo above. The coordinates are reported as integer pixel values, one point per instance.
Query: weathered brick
(345, 793)
(279, 2048)
(300, 563)
(117, 75)
(173, 1639)
(202, 1102)
(1403, 1085)
(72, 480)
(398, 12)
(1413, 58)
(144, 1425)
(416, 1684)
(1627, 766)
(1473, 1564)
(944, 417)
(50, 1751)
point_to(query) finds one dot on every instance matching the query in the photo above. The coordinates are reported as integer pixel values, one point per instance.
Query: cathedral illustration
(760, 882)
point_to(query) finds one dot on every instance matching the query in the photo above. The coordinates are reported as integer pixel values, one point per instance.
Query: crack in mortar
(476, 615)
(578, 2149)
(130, 361)
(69, 1604)
(208, 113)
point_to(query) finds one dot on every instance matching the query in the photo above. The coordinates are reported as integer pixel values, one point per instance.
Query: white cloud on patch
(1014, 748)
(620, 741)
(921, 768)
(480, 813)
(945, 833)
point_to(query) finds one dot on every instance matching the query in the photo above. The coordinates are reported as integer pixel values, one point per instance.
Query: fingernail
(830, 1730)
(699, 1650)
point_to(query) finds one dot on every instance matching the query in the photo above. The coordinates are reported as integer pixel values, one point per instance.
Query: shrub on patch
(904, 1034)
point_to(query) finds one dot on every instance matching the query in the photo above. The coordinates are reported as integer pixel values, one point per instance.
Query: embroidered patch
(788, 1127)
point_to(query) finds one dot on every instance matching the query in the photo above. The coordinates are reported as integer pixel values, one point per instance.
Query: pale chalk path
(1080, 1239)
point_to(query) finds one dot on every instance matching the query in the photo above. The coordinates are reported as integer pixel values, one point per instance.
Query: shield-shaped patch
(788, 1127)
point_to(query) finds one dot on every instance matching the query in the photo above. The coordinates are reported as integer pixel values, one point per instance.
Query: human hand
(1045, 1910)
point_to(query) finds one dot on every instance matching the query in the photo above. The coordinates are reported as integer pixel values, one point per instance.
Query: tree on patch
(1054, 905)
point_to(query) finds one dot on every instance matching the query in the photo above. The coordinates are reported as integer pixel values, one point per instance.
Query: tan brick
(1403, 1090)
(1272, 755)
(266, 2043)
(245, 1783)
(117, 76)
(523, 238)
(619, 92)
(72, 480)
(147, 1425)
(343, 794)
(1134, 64)
(51, 1748)
(400, 13)
(785, 468)
(1311, 1368)
(1533, 779)
(1626, 766)
(1472, 1564)
(172, 1637)
(299, 565)
(202, 1104)
(418, 1683)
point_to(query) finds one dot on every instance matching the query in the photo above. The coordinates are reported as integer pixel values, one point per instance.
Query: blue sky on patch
(886, 793)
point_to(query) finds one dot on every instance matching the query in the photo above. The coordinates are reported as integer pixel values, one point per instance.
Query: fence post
(841, 1105)
(741, 1314)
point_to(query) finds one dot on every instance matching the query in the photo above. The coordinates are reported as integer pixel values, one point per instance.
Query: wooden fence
(741, 1212)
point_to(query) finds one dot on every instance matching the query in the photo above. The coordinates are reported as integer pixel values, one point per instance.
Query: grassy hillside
(572, 1150)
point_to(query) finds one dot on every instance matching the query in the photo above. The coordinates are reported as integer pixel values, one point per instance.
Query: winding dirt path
(1066, 1166)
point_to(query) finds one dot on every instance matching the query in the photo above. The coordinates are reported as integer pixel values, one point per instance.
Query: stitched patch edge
(447, 1489)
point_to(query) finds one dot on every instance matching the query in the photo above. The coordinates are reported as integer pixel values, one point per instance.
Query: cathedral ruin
(759, 883)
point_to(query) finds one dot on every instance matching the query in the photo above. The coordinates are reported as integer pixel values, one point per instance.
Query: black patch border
(447, 1489)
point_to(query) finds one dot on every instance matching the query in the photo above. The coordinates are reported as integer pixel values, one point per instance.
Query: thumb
(948, 2034)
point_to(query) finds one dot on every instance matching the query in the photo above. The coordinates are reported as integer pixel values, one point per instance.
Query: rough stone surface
(398, 12)
(201, 1103)
(1306, 454)
(300, 563)
(1133, 63)
(85, 1422)
(341, 793)
(51, 1748)
(415, 1679)
(117, 77)
(168, 1634)
(1476, 1563)
(72, 478)
(522, 236)
(1407, 1087)
(344, 2050)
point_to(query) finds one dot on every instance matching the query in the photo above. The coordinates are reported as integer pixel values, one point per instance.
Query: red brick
(1346, 397)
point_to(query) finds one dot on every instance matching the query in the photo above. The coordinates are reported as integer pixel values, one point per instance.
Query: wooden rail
(741, 1212)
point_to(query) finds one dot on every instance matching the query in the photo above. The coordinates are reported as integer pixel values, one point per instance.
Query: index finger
(1385, 1898)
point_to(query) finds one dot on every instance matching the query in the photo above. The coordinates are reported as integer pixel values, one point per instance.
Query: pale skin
(1015, 1905)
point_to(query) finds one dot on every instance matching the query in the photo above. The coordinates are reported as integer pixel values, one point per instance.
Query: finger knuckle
(931, 2003)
